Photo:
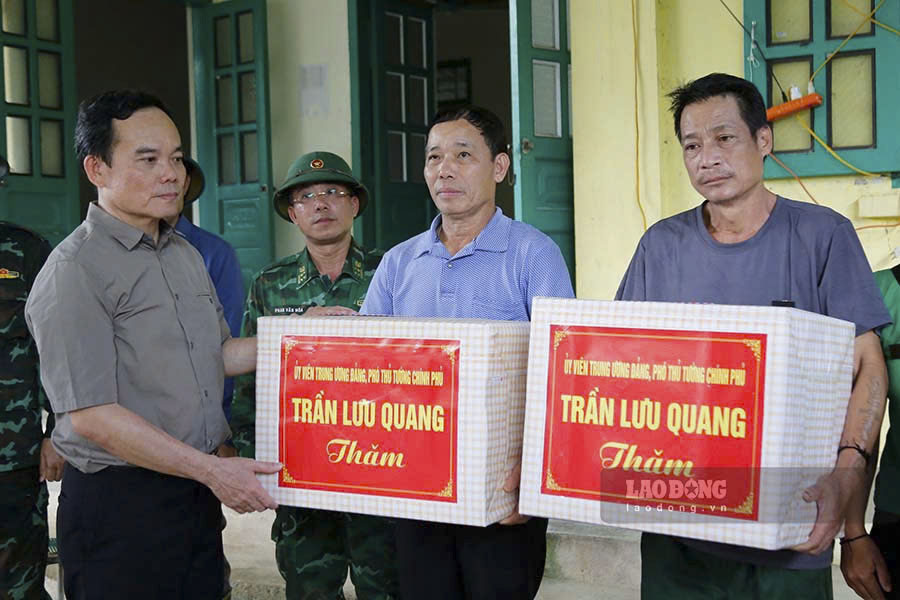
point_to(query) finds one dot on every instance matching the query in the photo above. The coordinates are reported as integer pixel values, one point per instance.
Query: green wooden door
(400, 64)
(232, 117)
(38, 113)
(541, 120)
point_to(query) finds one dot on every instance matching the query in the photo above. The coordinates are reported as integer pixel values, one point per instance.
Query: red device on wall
(779, 111)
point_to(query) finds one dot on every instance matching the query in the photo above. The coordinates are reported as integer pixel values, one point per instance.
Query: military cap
(198, 181)
(317, 167)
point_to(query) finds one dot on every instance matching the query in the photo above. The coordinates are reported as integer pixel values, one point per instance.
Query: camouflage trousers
(314, 548)
(23, 535)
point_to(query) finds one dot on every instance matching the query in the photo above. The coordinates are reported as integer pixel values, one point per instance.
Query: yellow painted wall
(605, 144)
(676, 41)
(310, 34)
(695, 38)
(306, 33)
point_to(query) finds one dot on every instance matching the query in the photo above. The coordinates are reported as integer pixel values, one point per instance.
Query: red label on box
(652, 417)
(369, 416)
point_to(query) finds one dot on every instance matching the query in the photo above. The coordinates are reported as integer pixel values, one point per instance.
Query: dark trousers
(444, 561)
(886, 535)
(672, 570)
(130, 533)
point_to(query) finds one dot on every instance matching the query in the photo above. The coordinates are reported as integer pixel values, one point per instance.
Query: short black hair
(485, 121)
(94, 127)
(749, 100)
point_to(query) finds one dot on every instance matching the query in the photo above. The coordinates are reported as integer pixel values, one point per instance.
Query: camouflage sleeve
(243, 405)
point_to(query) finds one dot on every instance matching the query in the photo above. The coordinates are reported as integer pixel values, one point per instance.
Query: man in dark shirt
(745, 245)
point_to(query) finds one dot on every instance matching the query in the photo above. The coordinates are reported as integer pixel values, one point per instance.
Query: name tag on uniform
(291, 310)
(894, 351)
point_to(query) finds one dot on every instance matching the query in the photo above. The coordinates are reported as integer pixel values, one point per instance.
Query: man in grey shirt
(134, 349)
(745, 245)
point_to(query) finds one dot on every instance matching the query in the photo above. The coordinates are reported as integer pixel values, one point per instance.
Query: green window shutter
(392, 101)
(859, 85)
(38, 116)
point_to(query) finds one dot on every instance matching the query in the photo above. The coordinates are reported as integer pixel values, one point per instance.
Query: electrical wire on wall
(794, 175)
(844, 43)
(753, 42)
(831, 150)
(808, 102)
(637, 126)
(867, 18)
(784, 96)
(871, 18)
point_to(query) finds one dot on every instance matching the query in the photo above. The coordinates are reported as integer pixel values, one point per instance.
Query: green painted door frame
(392, 99)
(231, 99)
(542, 162)
(541, 121)
(39, 124)
(359, 16)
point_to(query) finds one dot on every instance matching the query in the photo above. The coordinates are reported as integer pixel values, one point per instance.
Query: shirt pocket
(499, 309)
(204, 319)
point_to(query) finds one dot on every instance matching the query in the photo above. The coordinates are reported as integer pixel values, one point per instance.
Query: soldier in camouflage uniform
(313, 548)
(27, 459)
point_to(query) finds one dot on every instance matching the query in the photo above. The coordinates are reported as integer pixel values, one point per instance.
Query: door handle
(527, 145)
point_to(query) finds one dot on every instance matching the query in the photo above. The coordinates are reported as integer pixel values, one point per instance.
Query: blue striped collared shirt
(495, 276)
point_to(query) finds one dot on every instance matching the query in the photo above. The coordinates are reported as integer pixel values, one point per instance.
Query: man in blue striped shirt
(474, 262)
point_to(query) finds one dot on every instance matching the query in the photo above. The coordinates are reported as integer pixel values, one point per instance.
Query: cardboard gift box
(697, 420)
(412, 418)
